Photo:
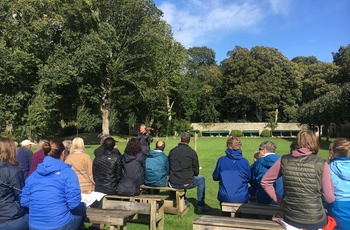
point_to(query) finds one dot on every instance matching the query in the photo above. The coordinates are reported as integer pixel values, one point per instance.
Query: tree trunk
(276, 115)
(169, 109)
(105, 121)
(328, 130)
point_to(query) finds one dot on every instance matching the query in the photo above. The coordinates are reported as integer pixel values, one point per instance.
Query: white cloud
(195, 20)
(280, 6)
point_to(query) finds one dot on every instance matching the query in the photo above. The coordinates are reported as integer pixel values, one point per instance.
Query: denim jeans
(20, 223)
(77, 220)
(199, 182)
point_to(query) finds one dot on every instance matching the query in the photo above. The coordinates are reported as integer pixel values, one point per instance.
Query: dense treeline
(101, 65)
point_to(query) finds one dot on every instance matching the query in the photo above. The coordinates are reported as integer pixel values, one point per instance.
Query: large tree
(261, 82)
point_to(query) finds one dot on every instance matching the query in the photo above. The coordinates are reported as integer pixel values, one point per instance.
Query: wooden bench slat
(141, 208)
(219, 222)
(112, 217)
(175, 203)
(252, 208)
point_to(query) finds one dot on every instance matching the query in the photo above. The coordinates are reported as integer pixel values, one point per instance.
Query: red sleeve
(269, 178)
(327, 185)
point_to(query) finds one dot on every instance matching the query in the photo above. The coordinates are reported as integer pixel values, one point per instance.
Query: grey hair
(269, 146)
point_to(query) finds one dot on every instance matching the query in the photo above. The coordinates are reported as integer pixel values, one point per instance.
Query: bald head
(160, 145)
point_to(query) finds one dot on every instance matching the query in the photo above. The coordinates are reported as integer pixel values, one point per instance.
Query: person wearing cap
(24, 156)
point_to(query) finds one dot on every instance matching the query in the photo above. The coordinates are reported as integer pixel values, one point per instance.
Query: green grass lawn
(209, 149)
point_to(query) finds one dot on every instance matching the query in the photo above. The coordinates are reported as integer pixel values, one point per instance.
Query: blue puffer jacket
(157, 168)
(233, 173)
(340, 208)
(260, 167)
(50, 193)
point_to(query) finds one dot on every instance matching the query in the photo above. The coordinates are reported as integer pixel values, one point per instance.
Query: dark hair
(108, 144)
(56, 149)
(160, 145)
(46, 147)
(185, 137)
(133, 147)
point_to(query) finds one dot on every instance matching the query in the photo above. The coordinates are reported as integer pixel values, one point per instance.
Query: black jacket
(145, 140)
(183, 161)
(107, 172)
(11, 184)
(134, 167)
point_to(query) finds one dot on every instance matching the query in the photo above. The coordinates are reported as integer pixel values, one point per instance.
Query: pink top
(275, 172)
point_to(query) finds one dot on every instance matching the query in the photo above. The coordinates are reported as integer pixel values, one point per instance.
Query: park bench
(207, 222)
(284, 133)
(109, 217)
(148, 208)
(175, 203)
(219, 133)
(252, 208)
(250, 133)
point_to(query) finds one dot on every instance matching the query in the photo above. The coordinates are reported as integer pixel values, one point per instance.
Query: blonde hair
(308, 139)
(77, 144)
(340, 148)
(234, 143)
(8, 150)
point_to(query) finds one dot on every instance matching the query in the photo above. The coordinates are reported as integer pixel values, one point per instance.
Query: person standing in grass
(184, 170)
(233, 173)
(340, 173)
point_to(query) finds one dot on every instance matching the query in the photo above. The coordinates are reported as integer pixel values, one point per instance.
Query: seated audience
(100, 150)
(157, 166)
(133, 162)
(52, 194)
(24, 156)
(184, 171)
(260, 167)
(107, 169)
(340, 173)
(233, 173)
(306, 180)
(81, 164)
(67, 145)
(38, 156)
(12, 215)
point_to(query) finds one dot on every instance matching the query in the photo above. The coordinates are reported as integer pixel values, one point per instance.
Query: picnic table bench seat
(148, 208)
(208, 222)
(109, 217)
(175, 203)
(252, 208)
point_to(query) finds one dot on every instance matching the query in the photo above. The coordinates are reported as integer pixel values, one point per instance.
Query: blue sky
(294, 27)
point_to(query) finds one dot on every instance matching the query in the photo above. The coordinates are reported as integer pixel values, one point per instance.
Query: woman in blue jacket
(52, 194)
(12, 215)
(340, 173)
(233, 173)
